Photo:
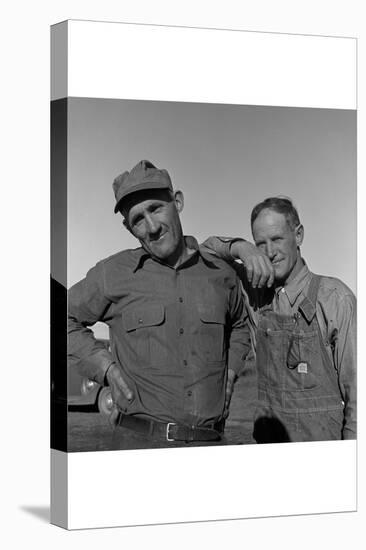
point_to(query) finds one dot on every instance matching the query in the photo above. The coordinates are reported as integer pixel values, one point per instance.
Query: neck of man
(181, 255)
(178, 257)
(293, 273)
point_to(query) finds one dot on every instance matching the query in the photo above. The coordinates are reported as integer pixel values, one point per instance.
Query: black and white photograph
(181, 331)
(203, 281)
(183, 165)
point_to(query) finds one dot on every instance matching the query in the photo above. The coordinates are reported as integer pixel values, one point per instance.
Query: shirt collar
(294, 288)
(190, 242)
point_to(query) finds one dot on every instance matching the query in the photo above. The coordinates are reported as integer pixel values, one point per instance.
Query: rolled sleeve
(220, 246)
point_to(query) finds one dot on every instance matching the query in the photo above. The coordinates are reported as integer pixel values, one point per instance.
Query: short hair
(282, 205)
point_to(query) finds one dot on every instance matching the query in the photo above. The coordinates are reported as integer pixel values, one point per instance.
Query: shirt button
(189, 393)
(181, 330)
(140, 321)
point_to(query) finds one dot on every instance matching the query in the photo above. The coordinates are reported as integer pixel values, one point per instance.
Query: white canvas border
(117, 60)
(202, 484)
(340, 93)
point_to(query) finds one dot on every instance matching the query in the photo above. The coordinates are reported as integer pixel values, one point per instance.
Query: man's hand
(120, 391)
(258, 267)
(231, 377)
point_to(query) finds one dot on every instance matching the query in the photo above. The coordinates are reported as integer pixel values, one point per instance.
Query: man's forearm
(258, 267)
(221, 247)
(238, 351)
(240, 340)
(87, 354)
(87, 304)
(345, 357)
(350, 414)
(350, 430)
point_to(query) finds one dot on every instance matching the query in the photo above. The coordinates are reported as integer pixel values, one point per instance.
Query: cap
(143, 176)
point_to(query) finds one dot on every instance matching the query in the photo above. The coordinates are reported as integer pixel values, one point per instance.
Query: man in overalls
(304, 332)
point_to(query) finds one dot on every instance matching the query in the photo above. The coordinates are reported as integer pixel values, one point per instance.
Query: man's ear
(299, 234)
(125, 223)
(179, 201)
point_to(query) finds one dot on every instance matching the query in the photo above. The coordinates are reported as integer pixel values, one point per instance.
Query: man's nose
(153, 226)
(270, 251)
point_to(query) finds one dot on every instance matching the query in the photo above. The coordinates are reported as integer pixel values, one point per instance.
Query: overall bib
(298, 393)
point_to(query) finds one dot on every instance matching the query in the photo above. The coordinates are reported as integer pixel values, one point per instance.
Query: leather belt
(171, 431)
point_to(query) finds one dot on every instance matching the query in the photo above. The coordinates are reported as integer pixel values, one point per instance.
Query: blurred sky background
(225, 158)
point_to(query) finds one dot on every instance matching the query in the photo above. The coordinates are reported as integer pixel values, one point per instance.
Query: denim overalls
(298, 394)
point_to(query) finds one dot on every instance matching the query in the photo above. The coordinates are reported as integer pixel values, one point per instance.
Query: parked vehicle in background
(85, 395)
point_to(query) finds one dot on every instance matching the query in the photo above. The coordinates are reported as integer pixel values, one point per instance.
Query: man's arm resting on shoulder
(259, 270)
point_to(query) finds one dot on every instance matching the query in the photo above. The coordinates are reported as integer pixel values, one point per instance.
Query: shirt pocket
(212, 333)
(146, 334)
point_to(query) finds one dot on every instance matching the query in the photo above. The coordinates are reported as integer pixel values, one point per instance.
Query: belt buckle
(167, 430)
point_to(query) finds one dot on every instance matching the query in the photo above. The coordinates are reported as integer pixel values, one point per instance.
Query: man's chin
(160, 254)
(159, 251)
(279, 276)
(165, 252)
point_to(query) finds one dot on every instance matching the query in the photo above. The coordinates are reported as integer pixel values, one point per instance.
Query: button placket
(182, 331)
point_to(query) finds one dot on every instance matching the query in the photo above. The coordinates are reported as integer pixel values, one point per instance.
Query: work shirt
(335, 313)
(173, 331)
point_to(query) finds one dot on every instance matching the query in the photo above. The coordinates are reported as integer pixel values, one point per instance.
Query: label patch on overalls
(302, 367)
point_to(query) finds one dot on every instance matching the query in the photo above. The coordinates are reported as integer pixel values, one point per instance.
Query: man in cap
(176, 316)
(304, 329)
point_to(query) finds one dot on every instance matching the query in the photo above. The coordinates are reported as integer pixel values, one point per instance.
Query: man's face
(273, 235)
(153, 218)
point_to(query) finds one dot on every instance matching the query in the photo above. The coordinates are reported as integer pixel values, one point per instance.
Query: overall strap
(308, 304)
(308, 309)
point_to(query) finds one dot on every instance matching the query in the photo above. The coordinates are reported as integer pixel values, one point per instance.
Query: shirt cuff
(226, 247)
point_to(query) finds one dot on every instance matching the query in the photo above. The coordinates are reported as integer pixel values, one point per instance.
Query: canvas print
(203, 274)
(210, 275)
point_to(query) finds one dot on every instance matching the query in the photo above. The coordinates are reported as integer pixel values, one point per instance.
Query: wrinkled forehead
(269, 223)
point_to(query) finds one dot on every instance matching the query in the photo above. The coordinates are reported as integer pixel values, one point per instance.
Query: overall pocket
(271, 357)
(302, 361)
